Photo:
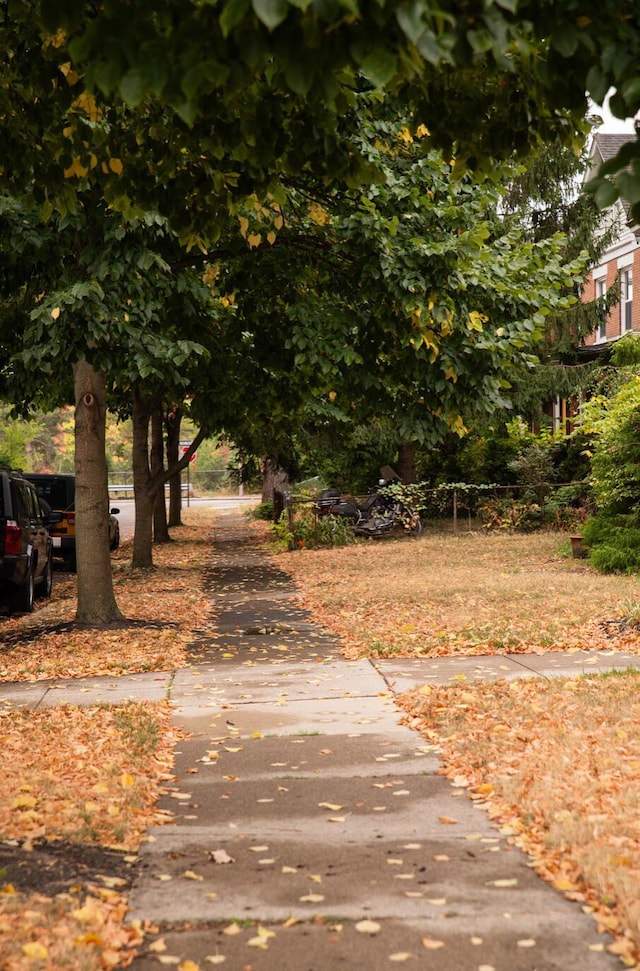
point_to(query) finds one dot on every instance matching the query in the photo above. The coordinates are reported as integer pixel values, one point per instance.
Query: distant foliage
(308, 531)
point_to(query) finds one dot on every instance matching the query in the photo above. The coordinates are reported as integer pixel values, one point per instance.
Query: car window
(57, 492)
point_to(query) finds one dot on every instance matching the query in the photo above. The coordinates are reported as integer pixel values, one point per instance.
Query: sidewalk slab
(302, 806)
(405, 674)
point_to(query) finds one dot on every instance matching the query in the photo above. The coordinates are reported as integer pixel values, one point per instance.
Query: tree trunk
(406, 464)
(142, 537)
(172, 424)
(160, 529)
(274, 479)
(96, 599)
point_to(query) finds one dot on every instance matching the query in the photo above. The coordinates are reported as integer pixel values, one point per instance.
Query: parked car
(26, 546)
(59, 491)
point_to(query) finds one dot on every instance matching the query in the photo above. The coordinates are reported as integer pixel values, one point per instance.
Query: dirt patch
(53, 867)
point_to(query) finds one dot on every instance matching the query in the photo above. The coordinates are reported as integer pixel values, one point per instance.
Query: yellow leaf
(189, 966)
(400, 956)
(330, 805)
(431, 944)
(116, 166)
(127, 780)
(76, 168)
(367, 927)
(24, 802)
(8, 889)
(563, 884)
(215, 959)
(271, 238)
(190, 875)
(35, 950)
(90, 938)
(254, 239)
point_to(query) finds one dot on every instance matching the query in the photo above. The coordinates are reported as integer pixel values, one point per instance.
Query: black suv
(25, 544)
(57, 491)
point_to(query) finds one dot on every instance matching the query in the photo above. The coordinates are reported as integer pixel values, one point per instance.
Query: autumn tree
(407, 302)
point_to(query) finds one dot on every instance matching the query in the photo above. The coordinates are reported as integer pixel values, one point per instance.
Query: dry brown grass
(557, 765)
(92, 775)
(473, 593)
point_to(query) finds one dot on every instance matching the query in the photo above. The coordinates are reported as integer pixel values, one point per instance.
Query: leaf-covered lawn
(474, 593)
(165, 605)
(91, 776)
(556, 765)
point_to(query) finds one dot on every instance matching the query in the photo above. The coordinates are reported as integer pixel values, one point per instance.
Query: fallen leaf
(527, 942)
(190, 875)
(431, 944)
(221, 856)
(312, 898)
(367, 927)
(330, 805)
(447, 820)
(35, 951)
(400, 956)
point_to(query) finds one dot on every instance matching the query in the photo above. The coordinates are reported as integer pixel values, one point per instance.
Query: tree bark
(173, 419)
(96, 599)
(274, 478)
(142, 537)
(160, 529)
(275, 481)
(406, 464)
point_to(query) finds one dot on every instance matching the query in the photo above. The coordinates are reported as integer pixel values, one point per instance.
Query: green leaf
(233, 13)
(631, 93)
(271, 12)
(132, 88)
(605, 194)
(410, 20)
(597, 84)
(480, 41)
(564, 40)
(379, 66)
(300, 76)
(629, 186)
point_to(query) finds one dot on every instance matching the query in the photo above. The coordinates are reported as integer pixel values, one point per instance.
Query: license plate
(57, 541)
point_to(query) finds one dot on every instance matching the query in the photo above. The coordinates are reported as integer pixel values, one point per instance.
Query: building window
(601, 291)
(626, 300)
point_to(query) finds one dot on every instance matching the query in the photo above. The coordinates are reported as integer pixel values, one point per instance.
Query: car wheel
(115, 542)
(22, 598)
(45, 584)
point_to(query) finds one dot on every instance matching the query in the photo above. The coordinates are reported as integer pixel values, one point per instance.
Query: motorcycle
(377, 514)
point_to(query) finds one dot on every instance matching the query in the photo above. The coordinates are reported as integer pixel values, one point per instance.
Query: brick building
(621, 260)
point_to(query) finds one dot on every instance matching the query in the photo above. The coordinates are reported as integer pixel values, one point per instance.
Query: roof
(605, 146)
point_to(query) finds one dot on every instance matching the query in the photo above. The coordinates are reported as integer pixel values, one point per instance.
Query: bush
(264, 511)
(308, 531)
(614, 542)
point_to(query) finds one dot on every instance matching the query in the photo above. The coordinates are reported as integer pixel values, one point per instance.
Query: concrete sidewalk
(311, 830)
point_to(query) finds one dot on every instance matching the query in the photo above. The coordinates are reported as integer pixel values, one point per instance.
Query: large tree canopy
(490, 76)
